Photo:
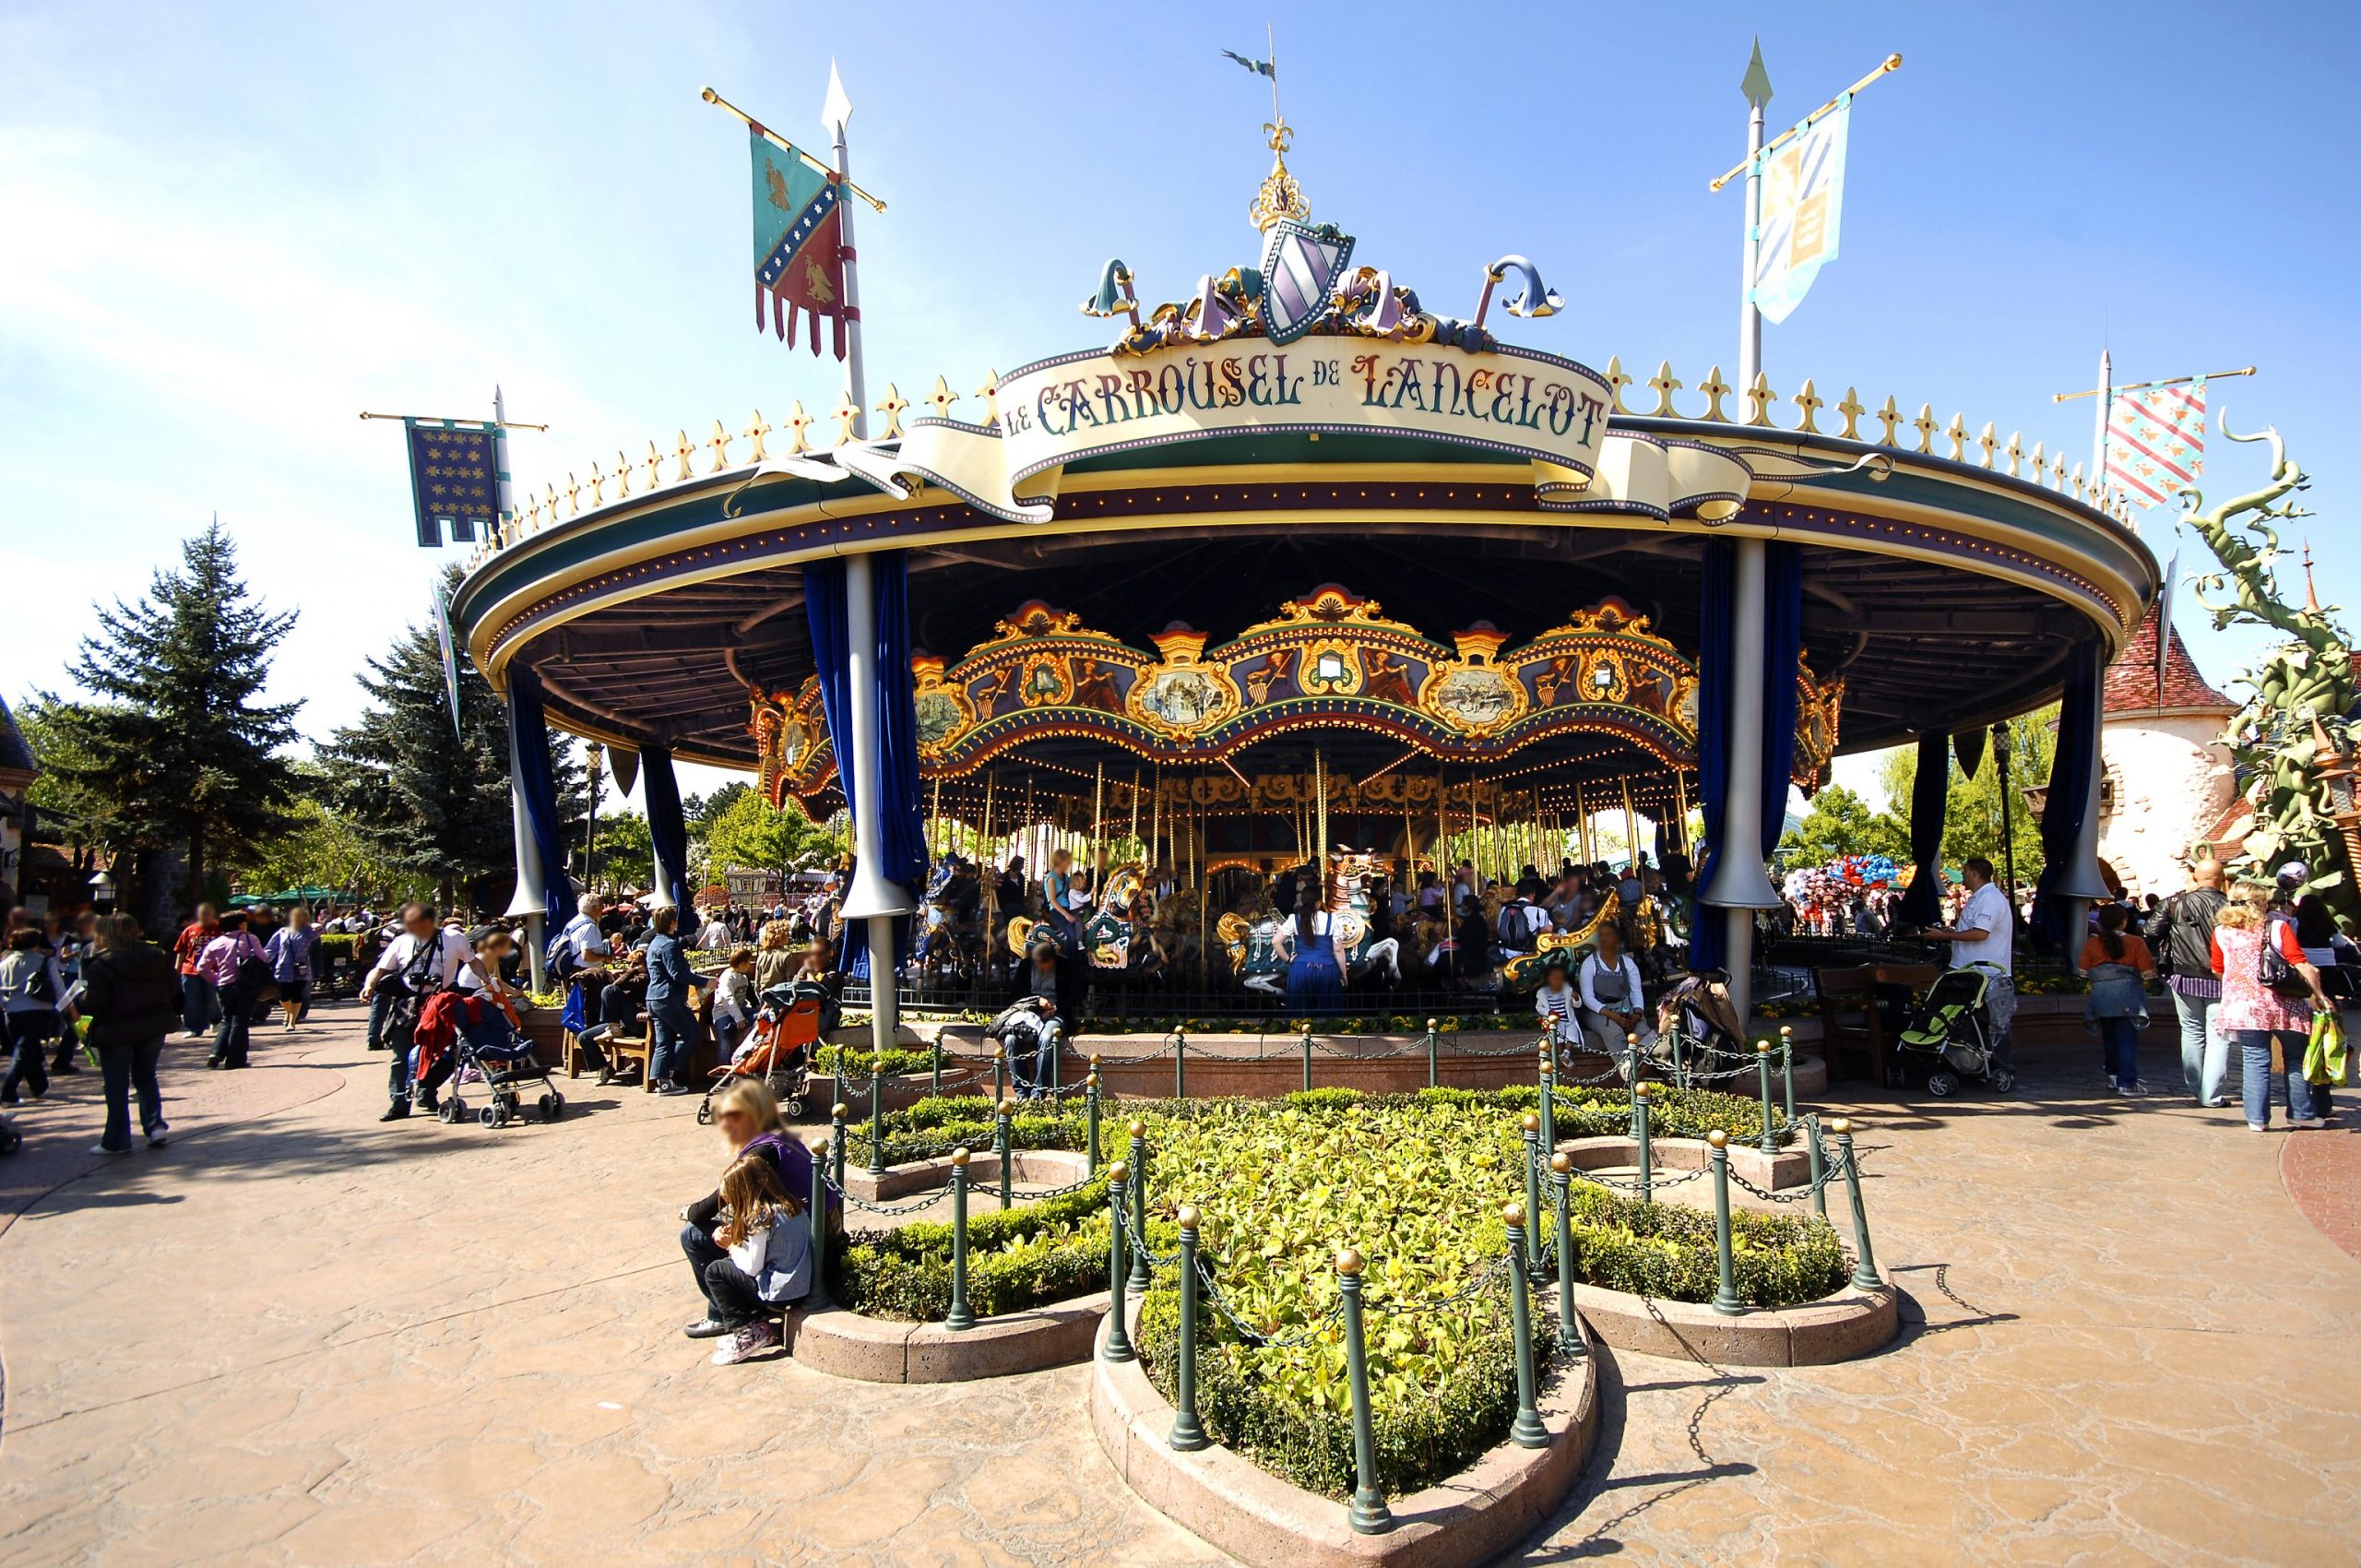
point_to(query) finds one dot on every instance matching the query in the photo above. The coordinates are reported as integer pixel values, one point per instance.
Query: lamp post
(596, 754)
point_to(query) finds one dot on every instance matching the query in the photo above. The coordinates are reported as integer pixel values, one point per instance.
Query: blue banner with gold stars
(453, 481)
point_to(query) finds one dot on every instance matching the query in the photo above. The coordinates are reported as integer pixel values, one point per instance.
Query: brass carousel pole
(1136, 806)
(1631, 828)
(1098, 820)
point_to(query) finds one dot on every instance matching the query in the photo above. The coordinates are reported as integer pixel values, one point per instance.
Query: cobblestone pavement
(299, 1337)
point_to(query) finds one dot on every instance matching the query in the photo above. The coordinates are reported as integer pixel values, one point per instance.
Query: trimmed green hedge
(856, 1061)
(1016, 1258)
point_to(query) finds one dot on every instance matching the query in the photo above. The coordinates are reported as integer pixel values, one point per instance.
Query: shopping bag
(2324, 1056)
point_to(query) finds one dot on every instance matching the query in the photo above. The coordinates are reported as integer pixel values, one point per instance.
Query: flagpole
(2098, 429)
(504, 494)
(1757, 88)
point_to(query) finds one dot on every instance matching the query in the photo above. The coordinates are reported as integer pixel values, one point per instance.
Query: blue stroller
(490, 1048)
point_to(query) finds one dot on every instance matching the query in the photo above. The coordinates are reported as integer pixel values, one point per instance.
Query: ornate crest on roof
(1034, 619)
(1280, 199)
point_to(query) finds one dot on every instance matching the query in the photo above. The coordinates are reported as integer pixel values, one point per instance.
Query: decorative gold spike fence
(1921, 432)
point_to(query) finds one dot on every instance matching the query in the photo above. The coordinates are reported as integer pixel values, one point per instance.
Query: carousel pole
(1136, 808)
(1631, 826)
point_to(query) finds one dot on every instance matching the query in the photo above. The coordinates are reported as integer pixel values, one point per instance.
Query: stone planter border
(1791, 1166)
(1228, 1499)
(1843, 1327)
(869, 1350)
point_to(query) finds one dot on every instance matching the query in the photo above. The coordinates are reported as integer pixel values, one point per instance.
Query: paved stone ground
(298, 1336)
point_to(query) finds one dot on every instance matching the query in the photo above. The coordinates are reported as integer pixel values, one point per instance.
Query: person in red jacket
(199, 1003)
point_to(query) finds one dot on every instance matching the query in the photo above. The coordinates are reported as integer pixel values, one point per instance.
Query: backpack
(558, 955)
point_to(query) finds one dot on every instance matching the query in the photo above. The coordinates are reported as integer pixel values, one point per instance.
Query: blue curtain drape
(661, 793)
(1930, 794)
(902, 834)
(1783, 645)
(531, 777)
(1718, 594)
(2068, 803)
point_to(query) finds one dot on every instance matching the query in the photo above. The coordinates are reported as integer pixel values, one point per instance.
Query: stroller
(1695, 1019)
(486, 1045)
(1950, 1039)
(790, 1023)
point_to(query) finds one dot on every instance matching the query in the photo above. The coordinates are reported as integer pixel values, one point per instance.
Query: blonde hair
(2249, 906)
(754, 1098)
(776, 935)
(753, 1198)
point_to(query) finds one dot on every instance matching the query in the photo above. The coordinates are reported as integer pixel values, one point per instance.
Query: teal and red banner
(799, 251)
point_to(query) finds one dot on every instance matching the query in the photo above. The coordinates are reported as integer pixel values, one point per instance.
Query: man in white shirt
(423, 960)
(586, 944)
(1615, 1008)
(714, 936)
(1986, 935)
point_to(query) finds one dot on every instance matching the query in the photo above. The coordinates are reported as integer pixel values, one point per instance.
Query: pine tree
(427, 803)
(178, 753)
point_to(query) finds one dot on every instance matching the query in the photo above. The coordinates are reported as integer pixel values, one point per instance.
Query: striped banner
(1802, 209)
(2155, 443)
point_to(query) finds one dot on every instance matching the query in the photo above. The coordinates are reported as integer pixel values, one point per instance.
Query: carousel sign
(1058, 411)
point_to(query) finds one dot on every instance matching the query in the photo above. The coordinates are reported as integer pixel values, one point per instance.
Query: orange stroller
(790, 1023)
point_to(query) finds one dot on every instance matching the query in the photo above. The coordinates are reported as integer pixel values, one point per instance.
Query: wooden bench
(1852, 1025)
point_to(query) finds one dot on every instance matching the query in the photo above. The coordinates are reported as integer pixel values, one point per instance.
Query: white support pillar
(871, 897)
(1740, 885)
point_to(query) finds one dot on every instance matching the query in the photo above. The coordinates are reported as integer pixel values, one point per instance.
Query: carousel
(1300, 568)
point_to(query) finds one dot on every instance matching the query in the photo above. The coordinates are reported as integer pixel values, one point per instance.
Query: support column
(871, 897)
(1740, 885)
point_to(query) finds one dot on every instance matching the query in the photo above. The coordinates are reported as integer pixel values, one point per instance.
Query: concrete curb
(1036, 1167)
(1233, 1504)
(869, 1349)
(1842, 1327)
(1788, 1168)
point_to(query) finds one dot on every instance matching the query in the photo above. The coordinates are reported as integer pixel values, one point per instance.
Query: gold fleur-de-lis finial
(1759, 399)
(2077, 482)
(720, 443)
(1809, 402)
(1716, 389)
(1926, 426)
(597, 486)
(990, 392)
(1616, 382)
(623, 473)
(940, 399)
(654, 462)
(1889, 416)
(1988, 441)
(848, 414)
(2058, 472)
(754, 432)
(683, 451)
(532, 513)
(1664, 384)
(2040, 460)
(1852, 411)
(798, 421)
(1956, 434)
(892, 408)
(551, 489)
(1281, 198)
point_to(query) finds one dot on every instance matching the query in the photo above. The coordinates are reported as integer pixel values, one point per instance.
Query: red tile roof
(2131, 684)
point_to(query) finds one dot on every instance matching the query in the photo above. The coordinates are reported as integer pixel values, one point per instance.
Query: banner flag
(799, 254)
(452, 480)
(1802, 204)
(1260, 67)
(450, 659)
(2155, 443)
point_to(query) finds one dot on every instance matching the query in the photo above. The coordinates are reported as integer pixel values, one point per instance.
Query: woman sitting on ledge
(746, 1114)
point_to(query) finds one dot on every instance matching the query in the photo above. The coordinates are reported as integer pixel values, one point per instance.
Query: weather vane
(1281, 198)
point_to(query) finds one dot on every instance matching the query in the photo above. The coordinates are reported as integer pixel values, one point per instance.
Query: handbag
(2276, 973)
(255, 982)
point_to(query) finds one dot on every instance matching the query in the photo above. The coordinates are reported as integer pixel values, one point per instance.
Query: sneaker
(707, 1328)
(669, 1088)
(102, 1148)
(751, 1340)
(2131, 1088)
(397, 1112)
(2258, 1127)
(2308, 1124)
(156, 1138)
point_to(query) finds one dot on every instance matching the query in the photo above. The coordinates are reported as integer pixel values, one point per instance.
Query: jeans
(398, 1041)
(702, 1254)
(2204, 1050)
(129, 1067)
(230, 1035)
(2119, 1046)
(670, 1030)
(29, 1031)
(379, 999)
(198, 1003)
(2254, 1047)
(1028, 1070)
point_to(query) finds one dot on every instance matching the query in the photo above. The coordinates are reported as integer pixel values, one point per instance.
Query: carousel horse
(1109, 932)
(1524, 972)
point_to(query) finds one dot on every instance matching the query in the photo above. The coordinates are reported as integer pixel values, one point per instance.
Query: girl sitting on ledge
(765, 1242)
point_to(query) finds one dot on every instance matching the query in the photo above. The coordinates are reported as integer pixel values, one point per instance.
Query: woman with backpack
(233, 961)
(30, 989)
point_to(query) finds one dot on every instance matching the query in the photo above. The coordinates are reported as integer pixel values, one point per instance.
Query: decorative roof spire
(1280, 196)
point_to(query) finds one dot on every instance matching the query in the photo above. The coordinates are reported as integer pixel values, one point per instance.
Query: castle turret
(2168, 779)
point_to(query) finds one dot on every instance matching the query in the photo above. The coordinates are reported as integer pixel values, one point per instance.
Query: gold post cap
(839, 1110)
(1432, 1023)
(1512, 1212)
(1093, 1062)
(1187, 1215)
(1349, 1261)
(959, 1157)
(1841, 1127)
(1718, 1138)
(1562, 1163)
(1008, 1105)
(999, 1051)
(1643, 1089)
(1138, 1129)
(1763, 1046)
(1091, 1082)
(1532, 1121)
(1119, 1173)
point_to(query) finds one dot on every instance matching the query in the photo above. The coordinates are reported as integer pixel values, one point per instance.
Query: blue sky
(226, 230)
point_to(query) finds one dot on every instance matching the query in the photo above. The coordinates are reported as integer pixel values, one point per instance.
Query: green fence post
(818, 1211)
(1434, 1039)
(1528, 1430)
(934, 1076)
(1181, 1063)
(1631, 1076)
(1057, 1059)
(837, 1142)
(958, 1316)
(1090, 1119)
(1787, 1068)
(1726, 1293)
(836, 1075)
(1000, 1067)
(1769, 1143)
(1369, 1515)
(1548, 1097)
(1119, 1343)
(1001, 1141)
(1307, 1058)
(1139, 1209)
(1188, 1434)
(1561, 1173)
(1533, 1187)
(1818, 1168)
(877, 1115)
(1865, 1263)
(1643, 1112)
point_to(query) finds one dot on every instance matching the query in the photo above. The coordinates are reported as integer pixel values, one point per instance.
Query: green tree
(177, 753)
(1841, 823)
(748, 833)
(322, 848)
(1972, 808)
(53, 727)
(428, 802)
(626, 850)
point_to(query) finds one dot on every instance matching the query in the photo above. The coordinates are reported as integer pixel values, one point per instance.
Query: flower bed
(1016, 1258)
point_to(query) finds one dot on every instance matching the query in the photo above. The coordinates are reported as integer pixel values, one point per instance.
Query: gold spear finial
(1716, 389)
(1281, 198)
(1926, 426)
(597, 486)
(1811, 403)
